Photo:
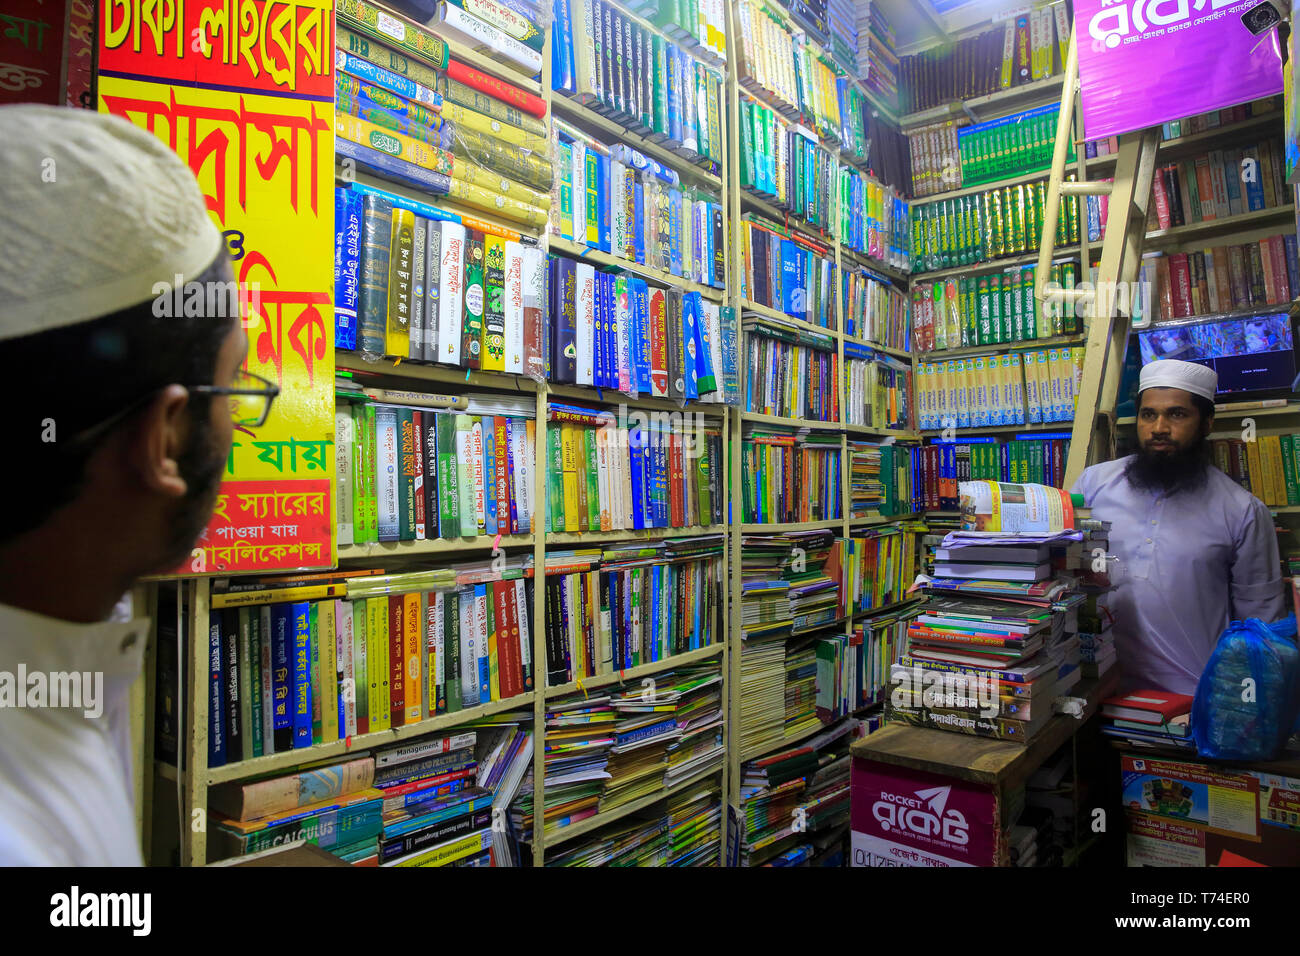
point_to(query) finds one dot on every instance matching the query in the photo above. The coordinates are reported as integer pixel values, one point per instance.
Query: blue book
(1292, 266)
(675, 231)
(641, 325)
(599, 377)
(674, 96)
(639, 220)
(605, 237)
(216, 694)
(562, 64)
(300, 701)
(390, 167)
(489, 475)
(789, 280)
(608, 345)
(1004, 462)
(706, 378)
(484, 652)
(636, 468)
(1254, 188)
(690, 339)
(393, 82)
(347, 264)
(661, 477)
(696, 640)
(281, 676)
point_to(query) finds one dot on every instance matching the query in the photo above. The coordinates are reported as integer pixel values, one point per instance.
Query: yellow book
(458, 849)
(1067, 385)
(939, 394)
(979, 406)
(377, 662)
(1033, 401)
(1270, 453)
(966, 391)
(569, 482)
(997, 391)
(481, 123)
(329, 675)
(1255, 465)
(1076, 356)
(397, 331)
(412, 617)
(312, 592)
(1013, 398)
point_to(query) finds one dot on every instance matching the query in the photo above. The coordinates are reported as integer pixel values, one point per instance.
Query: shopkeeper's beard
(1171, 472)
(201, 465)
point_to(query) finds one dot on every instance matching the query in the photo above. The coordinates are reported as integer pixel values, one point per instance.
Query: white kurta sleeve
(1256, 569)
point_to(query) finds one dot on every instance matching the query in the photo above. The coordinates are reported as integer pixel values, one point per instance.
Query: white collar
(115, 648)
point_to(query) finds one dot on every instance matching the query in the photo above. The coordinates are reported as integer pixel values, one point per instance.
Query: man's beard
(1171, 472)
(201, 465)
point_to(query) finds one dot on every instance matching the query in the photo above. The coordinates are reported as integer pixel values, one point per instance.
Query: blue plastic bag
(1236, 720)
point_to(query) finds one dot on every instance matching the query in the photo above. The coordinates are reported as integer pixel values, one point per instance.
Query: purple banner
(1145, 62)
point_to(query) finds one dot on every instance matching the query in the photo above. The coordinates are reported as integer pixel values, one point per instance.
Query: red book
(1181, 280)
(675, 485)
(528, 102)
(418, 490)
(507, 653)
(1162, 199)
(1147, 706)
(658, 345)
(396, 662)
(1277, 255)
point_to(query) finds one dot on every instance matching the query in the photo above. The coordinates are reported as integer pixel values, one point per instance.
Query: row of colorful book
(1218, 184)
(788, 272)
(409, 470)
(786, 165)
(688, 832)
(875, 219)
(637, 76)
(651, 471)
(627, 606)
(614, 330)
(778, 63)
(1028, 47)
(699, 24)
(1268, 467)
(1015, 388)
(296, 666)
(991, 309)
(878, 389)
(873, 568)
(941, 467)
(791, 372)
(880, 479)
(985, 226)
(616, 200)
(875, 310)
(1222, 279)
(785, 478)
(853, 670)
(877, 59)
(947, 156)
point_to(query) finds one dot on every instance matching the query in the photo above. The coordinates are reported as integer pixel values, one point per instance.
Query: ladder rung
(1086, 188)
(1061, 295)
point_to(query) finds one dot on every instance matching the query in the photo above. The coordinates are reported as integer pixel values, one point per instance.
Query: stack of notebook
(1150, 718)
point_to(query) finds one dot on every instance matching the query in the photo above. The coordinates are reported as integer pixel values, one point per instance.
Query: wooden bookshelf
(382, 550)
(1195, 142)
(635, 674)
(1219, 228)
(767, 312)
(579, 250)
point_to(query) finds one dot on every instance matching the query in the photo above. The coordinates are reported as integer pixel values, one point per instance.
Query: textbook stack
(787, 478)
(1096, 639)
(409, 645)
(612, 63)
(942, 466)
(1151, 718)
(881, 479)
(630, 605)
(878, 389)
(793, 372)
(616, 200)
(999, 308)
(877, 63)
(875, 310)
(1013, 389)
(796, 802)
(788, 273)
(687, 834)
(603, 475)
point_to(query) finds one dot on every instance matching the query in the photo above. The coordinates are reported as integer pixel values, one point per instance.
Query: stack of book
(879, 389)
(615, 65)
(1014, 388)
(793, 372)
(943, 465)
(687, 833)
(616, 200)
(1149, 718)
(855, 147)
(578, 736)
(786, 165)
(800, 688)
(694, 829)
(875, 310)
(881, 479)
(792, 798)
(787, 272)
(877, 63)
(874, 219)
(785, 478)
(1096, 639)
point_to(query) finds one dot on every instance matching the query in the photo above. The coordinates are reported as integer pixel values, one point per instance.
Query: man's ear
(158, 439)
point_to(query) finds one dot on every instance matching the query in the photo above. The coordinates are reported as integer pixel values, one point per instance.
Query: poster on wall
(1146, 62)
(243, 91)
(33, 34)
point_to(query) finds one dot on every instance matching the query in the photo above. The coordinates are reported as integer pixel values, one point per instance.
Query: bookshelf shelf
(394, 185)
(638, 672)
(389, 367)
(879, 520)
(875, 265)
(1063, 253)
(1228, 224)
(594, 538)
(767, 312)
(785, 217)
(574, 112)
(1195, 141)
(582, 827)
(1291, 408)
(406, 549)
(1002, 429)
(279, 762)
(608, 396)
(1047, 343)
(880, 432)
(777, 420)
(897, 353)
(578, 250)
(990, 105)
(1284, 509)
(787, 740)
(752, 528)
(982, 187)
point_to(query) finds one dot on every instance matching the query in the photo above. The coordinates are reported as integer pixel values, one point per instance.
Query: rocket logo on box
(922, 815)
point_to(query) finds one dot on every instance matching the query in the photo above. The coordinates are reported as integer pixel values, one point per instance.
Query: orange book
(412, 616)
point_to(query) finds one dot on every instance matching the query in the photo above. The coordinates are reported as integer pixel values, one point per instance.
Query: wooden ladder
(1105, 312)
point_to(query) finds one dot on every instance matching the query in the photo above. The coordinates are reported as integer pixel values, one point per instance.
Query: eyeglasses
(250, 398)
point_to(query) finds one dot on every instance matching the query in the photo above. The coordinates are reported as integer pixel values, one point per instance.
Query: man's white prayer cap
(1172, 373)
(95, 212)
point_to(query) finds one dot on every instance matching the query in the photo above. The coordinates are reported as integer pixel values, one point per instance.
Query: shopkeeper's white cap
(94, 212)
(1172, 373)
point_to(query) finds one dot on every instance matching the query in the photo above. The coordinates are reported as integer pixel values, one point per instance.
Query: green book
(995, 309)
(1014, 283)
(1029, 307)
(659, 52)
(360, 668)
(448, 477)
(555, 479)
(702, 477)
(464, 438)
(372, 479)
(472, 330)
(357, 411)
(593, 478)
(1288, 470)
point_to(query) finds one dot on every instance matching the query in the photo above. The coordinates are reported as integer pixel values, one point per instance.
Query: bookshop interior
(698, 433)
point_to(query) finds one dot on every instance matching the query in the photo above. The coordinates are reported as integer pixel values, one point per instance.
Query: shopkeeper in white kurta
(1195, 549)
(118, 429)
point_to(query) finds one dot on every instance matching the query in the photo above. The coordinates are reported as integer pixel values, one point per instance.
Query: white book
(343, 451)
(617, 208)
(468, 650)
(534, 285)
(483, 664)
(345, 650)
(451, 292)
(585, 337)
(436, 649)
(486, 38)
(585, 66)
(476, 473)
(579, 152)
(468, 526)
(623, 335)
(602, 477)
(523, 611)
(419, 248)
(625, 465)
(432, 279)
(514, 307)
